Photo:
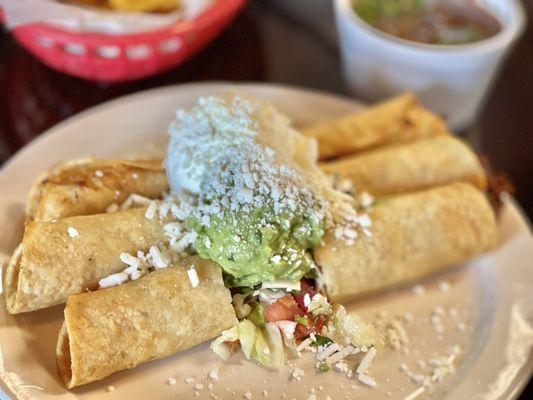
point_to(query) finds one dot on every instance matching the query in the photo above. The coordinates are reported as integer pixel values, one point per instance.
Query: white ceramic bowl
(451, 80)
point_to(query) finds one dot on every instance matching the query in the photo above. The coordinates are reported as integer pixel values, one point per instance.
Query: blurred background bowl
(120, 58)
(452, 80)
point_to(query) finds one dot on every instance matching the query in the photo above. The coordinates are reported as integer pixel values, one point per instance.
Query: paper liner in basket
(80, 18)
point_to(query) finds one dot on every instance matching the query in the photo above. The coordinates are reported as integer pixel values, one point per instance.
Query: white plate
(491, 298)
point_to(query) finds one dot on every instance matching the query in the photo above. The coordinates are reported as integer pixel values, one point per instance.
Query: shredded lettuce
(257, 314)
(264, 345)
(287, 329)
(261, 351)
(219, 347)
(247, 337)
(275, 343)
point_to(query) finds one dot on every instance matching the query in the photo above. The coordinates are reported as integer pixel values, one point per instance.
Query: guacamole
(250, 191)
(259, 245)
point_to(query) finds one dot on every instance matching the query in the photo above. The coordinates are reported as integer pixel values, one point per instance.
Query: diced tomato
(284, 308)
(302, 331)
(314, 326)
(319, 323)
(305, 288)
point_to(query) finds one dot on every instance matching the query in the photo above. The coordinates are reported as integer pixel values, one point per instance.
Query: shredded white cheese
(305, 343)
(193, 276)
(328, 351)
(128, 259)
(415, 393)
(367, 361)
(113, 280)
(151, 210)
(159, 259)
(367, 380)
(343, 353)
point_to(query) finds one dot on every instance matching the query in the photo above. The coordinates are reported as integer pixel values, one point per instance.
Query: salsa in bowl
(448, 22)
(389, 48)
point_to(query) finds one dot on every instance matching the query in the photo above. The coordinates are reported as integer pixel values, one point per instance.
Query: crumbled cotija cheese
(72, 232)
(365, 200)
(213, 374)
(171, 381)
(444, 286)
(319, 305)
(297, 374)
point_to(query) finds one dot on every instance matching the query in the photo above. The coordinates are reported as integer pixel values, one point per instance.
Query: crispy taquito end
(400, 119)
(158, 315)
(89, 186)
(412, 236)
(70, 256)
(411, 167)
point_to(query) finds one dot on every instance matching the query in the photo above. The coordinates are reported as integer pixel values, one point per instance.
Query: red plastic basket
(116, 58)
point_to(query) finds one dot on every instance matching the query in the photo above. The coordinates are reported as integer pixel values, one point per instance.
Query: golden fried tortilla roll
(410, 167)
(70, 256)
(398, 120)
(158, 315)
(89, 186)
(412, 236)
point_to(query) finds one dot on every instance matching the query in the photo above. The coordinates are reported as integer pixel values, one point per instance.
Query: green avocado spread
(259, 245)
